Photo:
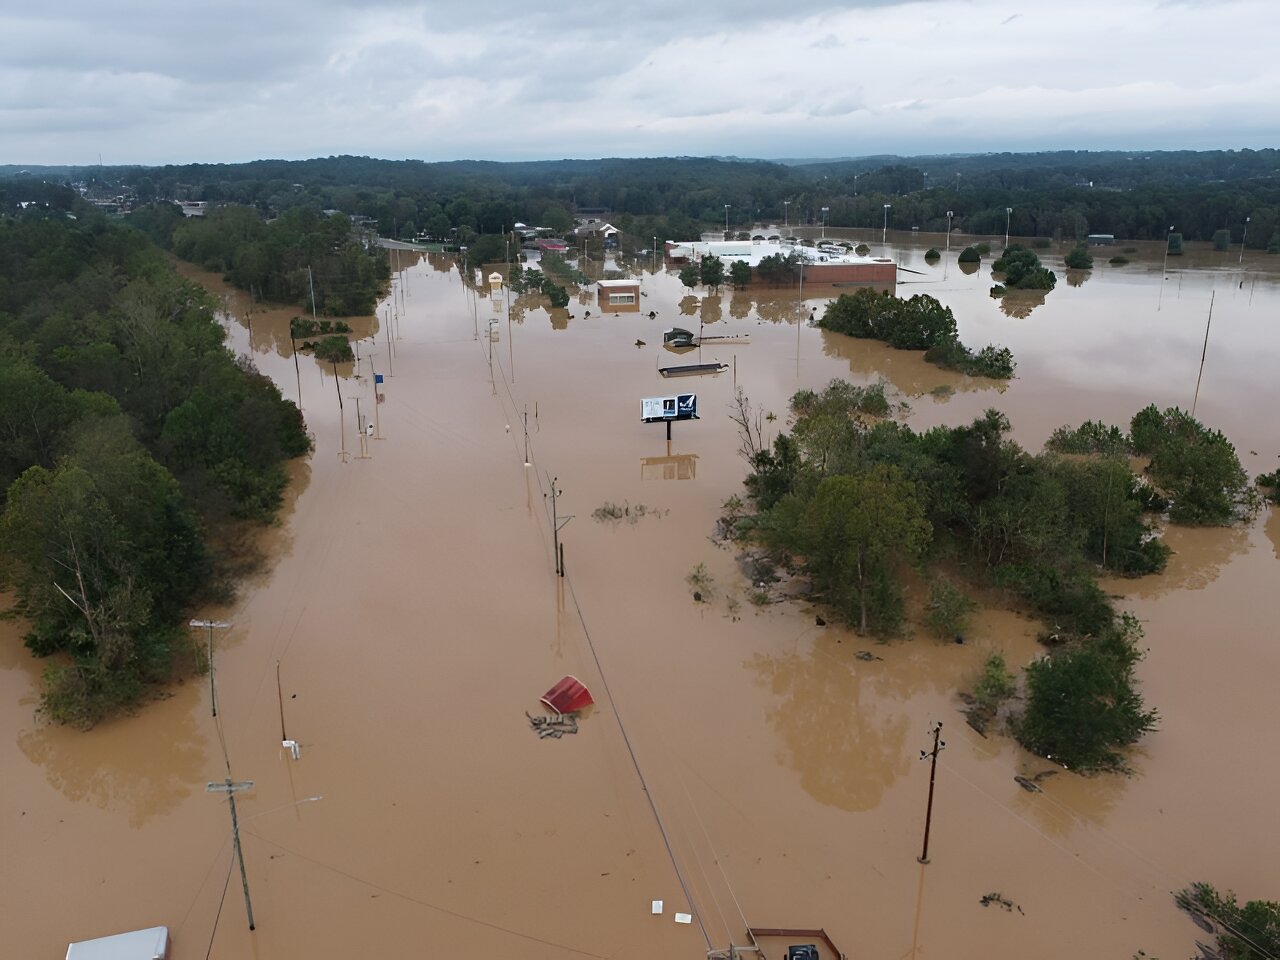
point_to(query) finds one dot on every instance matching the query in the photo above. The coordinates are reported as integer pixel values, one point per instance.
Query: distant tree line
(134, 446)
(1065, 194)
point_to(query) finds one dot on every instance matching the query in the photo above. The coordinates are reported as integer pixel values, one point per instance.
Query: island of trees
(856, 502)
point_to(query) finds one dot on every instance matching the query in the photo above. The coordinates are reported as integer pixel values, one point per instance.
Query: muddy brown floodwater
(415, 615)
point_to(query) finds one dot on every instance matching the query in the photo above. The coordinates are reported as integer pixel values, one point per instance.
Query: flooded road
(415, 614)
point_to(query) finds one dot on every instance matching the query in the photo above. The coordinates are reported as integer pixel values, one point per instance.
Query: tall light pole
(884, 234)
(786, 213)
(653, 259)
(1008, 213)
(1242, 238)
(726, 220)
(825, 211)
(950, 214)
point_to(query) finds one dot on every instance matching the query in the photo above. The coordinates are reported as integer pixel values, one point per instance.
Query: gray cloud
(142, 82)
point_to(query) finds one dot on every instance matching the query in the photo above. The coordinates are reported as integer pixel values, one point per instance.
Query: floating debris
(866, 655)
(553, 728)
(1032, 784)
(1003, 901)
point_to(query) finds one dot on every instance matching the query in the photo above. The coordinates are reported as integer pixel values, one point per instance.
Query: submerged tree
(1082, 706)
(853, 534)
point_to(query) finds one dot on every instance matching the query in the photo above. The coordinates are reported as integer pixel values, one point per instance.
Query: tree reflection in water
(844, 740)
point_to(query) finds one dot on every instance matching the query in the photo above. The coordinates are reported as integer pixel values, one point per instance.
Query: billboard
(681, 407)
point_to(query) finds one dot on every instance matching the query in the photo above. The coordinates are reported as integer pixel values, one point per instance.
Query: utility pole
(231, 788)
(527, 461)
(1204, 352)
(938, 746)
(211, 625)
(311, 284)
(557, 524)
(386, 336)
(364, 437)
(377, 401)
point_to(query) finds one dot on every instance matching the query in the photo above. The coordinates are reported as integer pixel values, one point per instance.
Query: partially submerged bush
(1082, 706)
(949, 610)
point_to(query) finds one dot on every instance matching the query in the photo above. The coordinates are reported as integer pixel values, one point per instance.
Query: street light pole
(885, 233)
(726, 220)
(786, 213)
(1008, 213)
(1242, 238)
(950, 214)
(825, 211)
(653, 258)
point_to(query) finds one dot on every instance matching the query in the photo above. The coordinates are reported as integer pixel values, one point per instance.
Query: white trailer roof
(149, 944)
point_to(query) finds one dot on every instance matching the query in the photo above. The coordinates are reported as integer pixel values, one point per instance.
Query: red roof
(568, 696)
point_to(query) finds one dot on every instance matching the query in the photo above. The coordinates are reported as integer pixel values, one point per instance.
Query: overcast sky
(140, 81)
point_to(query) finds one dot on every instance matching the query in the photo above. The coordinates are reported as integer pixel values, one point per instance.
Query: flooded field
(740, 763)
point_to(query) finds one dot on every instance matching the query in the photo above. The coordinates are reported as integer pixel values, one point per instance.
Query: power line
(423, 903)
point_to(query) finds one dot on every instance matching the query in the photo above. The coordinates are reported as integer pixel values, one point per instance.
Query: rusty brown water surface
(415, 615)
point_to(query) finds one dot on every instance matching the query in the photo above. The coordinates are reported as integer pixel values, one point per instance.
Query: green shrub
(932, 254)
(995, 684)
(1022, 269)
(1197, 466)
(1251, 932)
(1070, 601)
(970, 255)
(949, 610)
(1092, 436)
(1082, 707)
(1118, 261)
(1221, 239)
(983, 248)
(1079, 258)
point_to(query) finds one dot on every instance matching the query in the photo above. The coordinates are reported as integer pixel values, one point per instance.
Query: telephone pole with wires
(938, 747)
(231, 788)
(212, 625)
(557, 524)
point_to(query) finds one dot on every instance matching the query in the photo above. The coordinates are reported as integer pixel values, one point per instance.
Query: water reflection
(1068, 800)
(1076, 278)
(968, 269)
(689, 305)
(905, 369)
(740, 305)
(1199, 554)
(711, 309)
(680, 466)
(1019, 303)
(1272, 529)
(839, 735)
(146, 765)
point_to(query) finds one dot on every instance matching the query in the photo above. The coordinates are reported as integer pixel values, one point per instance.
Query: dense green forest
(135, 446)
(853, 500)
(1066, 194)
(294, 258)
